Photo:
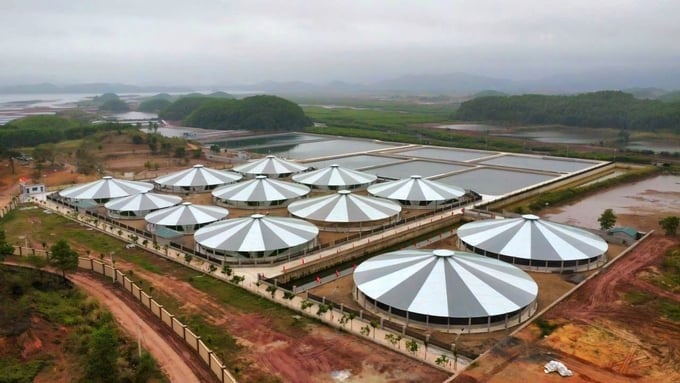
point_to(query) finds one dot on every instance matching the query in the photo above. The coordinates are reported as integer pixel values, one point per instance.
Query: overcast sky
(207, 42)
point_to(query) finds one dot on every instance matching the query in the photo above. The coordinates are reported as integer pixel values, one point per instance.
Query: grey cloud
(210, 41)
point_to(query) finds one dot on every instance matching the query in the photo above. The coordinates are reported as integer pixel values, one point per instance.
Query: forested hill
(606, 109)
(269, 113)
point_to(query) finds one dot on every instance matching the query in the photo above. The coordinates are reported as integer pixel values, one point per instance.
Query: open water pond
(540, 163)
(446, 154)
(269, 140)
(494, 182)
(561, 136)
(639, 205)
(354, 162)
(322, 148)
(417, 167)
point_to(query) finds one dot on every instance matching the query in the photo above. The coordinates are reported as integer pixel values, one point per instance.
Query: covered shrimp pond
(494, 182)
(639, 205)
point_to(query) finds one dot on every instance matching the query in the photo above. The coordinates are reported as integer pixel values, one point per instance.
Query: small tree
(374, 324)
(226, 269)
(304, 305)
(365, 330)
(412, 346)
(102, 355)
(63, 257)
(212, 268)
(442, 360)
(237, 279)
(670, 225)
(347, 317)
(607, 220)
(188, 258)
(271, 290)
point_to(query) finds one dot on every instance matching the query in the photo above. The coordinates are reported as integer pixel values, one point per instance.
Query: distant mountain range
(48, 88)
(643, 84)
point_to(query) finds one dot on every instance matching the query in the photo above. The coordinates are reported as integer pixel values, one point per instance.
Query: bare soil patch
(601, 337)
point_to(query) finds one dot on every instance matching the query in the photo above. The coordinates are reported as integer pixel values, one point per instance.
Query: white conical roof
(529, 237)
(445, 283)
(344, 206)
(186, 214)
(198, 175)
(260, 189)
(335, 176)
(270, 165)
(256, 233)
(416, 188)
(143, 202)
(106, 188)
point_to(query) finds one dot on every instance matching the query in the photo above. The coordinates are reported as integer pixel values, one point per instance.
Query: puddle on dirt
(639, 204)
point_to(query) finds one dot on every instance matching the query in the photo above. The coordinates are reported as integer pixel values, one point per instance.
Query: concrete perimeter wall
(194, 341)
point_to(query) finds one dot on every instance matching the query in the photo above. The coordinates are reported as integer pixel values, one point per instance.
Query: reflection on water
(268, 140)
(648, 198)
(471, 127)
(656, 147)
(552, 136)
(134, 116)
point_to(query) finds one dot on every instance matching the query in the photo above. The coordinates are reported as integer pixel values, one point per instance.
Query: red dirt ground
(293, 355)
(602, 338)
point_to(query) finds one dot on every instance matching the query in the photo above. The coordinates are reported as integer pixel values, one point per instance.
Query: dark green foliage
(15, 371)
(117, 106)
(605, 109)
(106, 97)
(183, 107)
(220, 95)
(670, 225)
(607, 220)
(102, 355)
(36, 130)
(153, 105)
(269, 113)
(546, 327)
(63, 257)
(6, 249)
(146, 369)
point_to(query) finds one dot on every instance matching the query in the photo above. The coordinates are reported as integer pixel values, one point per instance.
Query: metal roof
(186, 214)
(198, 175)
(256, 233)
(445, 283)
(143, 202)
(344, 207)
(261, 189)
(529, 237)
(270, 165)
(416, 188)
(335, 176)
(105, 188)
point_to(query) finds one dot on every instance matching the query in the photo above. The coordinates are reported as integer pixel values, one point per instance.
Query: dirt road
(175, 359)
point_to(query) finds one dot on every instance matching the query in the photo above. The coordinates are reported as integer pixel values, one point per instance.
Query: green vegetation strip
(94, 348)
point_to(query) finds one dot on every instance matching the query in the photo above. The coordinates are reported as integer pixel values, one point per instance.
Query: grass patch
(669, 309)
(637, 298)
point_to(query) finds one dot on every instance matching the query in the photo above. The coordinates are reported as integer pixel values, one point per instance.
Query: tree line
(605, 109)
(36, 130)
